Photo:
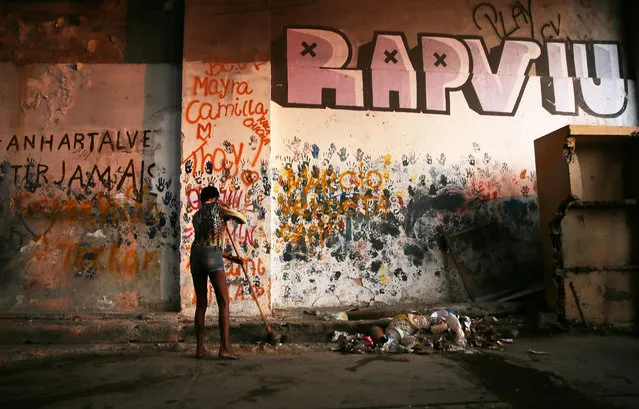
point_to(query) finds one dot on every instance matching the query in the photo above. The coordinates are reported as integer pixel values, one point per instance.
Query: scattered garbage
(440, 331)
(406, 324)
(338, 334)
(455, 329)
(353, 344)
(376, 334)
(339, 316)
(439, 328)
(439, 315)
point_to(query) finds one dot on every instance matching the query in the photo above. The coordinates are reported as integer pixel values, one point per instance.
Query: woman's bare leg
(200, 282)
(222, 296)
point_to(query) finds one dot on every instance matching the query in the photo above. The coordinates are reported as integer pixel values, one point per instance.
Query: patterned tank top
(209, 226)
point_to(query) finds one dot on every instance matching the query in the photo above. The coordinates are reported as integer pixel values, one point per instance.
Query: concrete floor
(583, 372)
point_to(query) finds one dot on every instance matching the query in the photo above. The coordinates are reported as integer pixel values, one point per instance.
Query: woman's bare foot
(201, 353)
(227, 354)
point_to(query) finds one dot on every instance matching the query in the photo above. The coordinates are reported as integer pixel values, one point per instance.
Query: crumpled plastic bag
(438, 317)
(456, 331)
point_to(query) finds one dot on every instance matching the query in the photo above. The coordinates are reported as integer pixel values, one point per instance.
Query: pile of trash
(413, 333)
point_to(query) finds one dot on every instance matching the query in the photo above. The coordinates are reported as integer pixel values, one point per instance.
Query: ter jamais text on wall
(574, 75)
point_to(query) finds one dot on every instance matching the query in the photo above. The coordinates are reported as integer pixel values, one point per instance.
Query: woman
(209, 224)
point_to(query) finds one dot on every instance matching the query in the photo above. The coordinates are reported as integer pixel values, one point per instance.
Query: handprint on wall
(228, 146)
(188, 166)
(343, 155)
(253, 142)
(236, 183)
(168, 198)
(161, 185)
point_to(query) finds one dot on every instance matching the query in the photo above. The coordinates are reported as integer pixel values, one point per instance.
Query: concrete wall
(98, 31)
(89, 186)
(89, 147)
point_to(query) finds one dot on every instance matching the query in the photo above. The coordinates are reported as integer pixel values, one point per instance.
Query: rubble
(441, 331)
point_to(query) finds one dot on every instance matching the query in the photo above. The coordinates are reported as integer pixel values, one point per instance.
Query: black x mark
(308, 49)
(440, 59)
(390, 56)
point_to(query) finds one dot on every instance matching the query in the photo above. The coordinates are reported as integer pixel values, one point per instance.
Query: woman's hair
(209, 192)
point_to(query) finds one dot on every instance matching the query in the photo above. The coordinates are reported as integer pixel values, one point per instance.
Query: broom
(273, 337)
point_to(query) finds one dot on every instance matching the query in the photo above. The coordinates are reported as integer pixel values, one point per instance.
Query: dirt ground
(582, 371)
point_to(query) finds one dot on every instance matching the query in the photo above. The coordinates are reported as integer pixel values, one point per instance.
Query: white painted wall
(487, 160)
(226, 143)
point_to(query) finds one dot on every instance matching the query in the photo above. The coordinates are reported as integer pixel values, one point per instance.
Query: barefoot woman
(207, 263)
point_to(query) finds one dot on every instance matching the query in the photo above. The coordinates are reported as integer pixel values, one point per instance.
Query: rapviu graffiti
(317, 71)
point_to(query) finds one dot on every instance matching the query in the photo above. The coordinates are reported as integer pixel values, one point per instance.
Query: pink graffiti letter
(559, 93)
(316, 61)
(446, 68)
(605, 94)
(392, 70)
(499, 92)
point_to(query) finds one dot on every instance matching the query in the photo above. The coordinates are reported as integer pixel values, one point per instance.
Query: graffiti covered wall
(226, 143)
(376, 148)
(403, 140)
(89, 187)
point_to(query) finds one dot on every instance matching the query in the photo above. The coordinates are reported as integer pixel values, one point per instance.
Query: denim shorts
(206, 259)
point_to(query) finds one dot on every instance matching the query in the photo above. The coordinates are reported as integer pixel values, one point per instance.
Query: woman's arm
(234, 259)
(227, 214)
(230, 214)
